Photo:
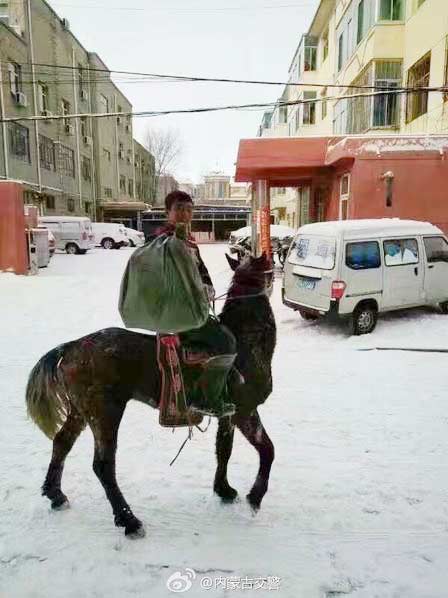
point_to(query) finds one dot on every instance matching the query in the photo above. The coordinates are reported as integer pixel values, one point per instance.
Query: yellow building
(386, 43)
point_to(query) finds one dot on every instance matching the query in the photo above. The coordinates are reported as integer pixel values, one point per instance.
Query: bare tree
(166, 147)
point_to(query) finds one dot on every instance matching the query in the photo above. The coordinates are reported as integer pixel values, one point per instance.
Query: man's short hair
(176, 196)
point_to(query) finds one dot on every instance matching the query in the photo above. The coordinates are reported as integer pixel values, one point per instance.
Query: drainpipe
(33, 78)
(2, 114)
(78, 150)
(117, 147)
(95, 141)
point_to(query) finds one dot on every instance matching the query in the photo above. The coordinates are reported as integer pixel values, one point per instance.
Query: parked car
(359, 268)
(239, 239)
(72, 234)
(135, 238)
(110, 235)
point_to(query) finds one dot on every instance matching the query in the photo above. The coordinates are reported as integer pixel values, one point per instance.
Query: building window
(360, 114)
(121, 151)
(70, 204)
(283, 115)
(325, 46)
(4, 10)
(66, 161)
(103, 104)
(19, 142)
(65, 111)
(15, 78)
(297, 119)
(107, 192)
(87, 207)
(310, 54)
(86, 169)
(360, 29)
(344, 197)
(324, 104)
(84, 126)
(43, 100)
(340, 51)
(50, 203)
(122, 183)
(418, 76)
(47, 153)
(106, 154)
(80, 81)
(131, 188)
(139, 190)
(386, 107)
(309, 108)
(391, 10)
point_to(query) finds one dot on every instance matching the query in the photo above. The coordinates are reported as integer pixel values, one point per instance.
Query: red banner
(265, 230)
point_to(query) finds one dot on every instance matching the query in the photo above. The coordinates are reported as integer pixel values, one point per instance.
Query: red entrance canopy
(280, 159)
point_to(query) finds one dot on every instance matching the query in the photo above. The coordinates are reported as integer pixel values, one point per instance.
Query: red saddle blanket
(174, 410)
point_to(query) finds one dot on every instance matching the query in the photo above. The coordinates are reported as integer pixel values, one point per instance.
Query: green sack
(162, 290)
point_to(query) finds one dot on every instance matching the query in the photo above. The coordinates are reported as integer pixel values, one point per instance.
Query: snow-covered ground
(357, 503)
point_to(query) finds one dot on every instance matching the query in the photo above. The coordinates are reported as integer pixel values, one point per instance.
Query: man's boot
(210, 390)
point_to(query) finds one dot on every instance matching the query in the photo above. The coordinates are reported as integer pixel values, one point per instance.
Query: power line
(154, 113)
(159, 76)
(180, 9)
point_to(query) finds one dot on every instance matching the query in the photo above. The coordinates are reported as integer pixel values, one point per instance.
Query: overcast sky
(239, 39)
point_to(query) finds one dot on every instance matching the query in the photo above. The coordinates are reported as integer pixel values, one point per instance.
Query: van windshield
(313, 251)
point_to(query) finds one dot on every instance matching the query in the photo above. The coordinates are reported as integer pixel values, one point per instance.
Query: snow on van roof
(63, 218)
(372, 226)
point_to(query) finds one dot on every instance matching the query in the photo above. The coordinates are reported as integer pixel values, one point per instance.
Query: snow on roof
(370, 226)
(277, 230)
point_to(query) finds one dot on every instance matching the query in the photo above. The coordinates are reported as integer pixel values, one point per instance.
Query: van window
(363, 255)
(400, 252)
(313, 252)
(436, 249)
(71, 227)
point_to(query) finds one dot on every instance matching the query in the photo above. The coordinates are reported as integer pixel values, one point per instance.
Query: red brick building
(356, 176)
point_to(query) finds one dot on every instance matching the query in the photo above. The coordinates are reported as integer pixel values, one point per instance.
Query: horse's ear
(232, 263)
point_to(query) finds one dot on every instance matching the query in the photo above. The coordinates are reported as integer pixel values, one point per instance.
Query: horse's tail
(47, 402)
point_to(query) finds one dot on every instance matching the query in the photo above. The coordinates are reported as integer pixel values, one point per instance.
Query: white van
(135, 238)
(110, 235)
(359, 268)
(73, 234)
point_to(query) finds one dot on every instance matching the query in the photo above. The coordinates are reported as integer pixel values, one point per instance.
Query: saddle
(193, 383)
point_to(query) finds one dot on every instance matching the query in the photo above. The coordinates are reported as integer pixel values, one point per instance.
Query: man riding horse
(213, 338)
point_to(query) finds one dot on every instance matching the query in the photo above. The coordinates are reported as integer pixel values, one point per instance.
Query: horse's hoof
(227, 494)
(254, 503)
(60, 504)
(134, 531)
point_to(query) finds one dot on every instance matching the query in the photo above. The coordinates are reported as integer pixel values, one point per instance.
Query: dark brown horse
(90, 380)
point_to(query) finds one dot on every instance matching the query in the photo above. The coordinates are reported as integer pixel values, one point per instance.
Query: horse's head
(255, 274)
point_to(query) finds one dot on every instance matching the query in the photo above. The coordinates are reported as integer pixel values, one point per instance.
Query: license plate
(307, 283)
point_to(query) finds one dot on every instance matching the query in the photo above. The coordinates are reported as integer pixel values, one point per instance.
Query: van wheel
(72, 248)
(444, 307)
(364, 318)
(306, 315)
(107, 243)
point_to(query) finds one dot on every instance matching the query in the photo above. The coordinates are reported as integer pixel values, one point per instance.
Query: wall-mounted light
(388, 178)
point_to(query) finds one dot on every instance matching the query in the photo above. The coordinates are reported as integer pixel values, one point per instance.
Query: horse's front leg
(224, 445)
(252, 428)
